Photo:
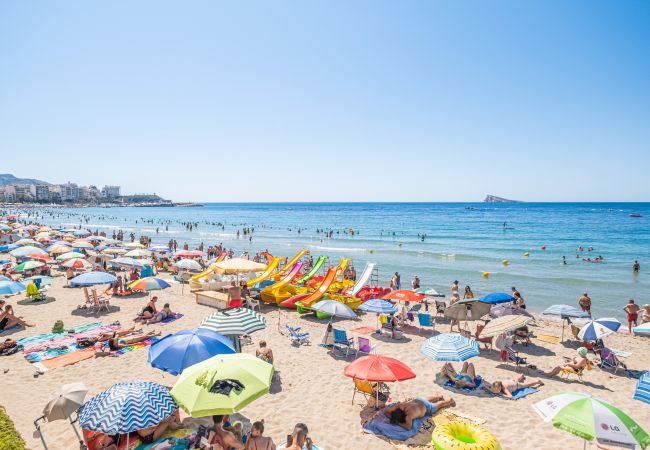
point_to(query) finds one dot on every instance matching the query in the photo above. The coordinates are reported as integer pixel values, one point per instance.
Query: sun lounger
(513, 356)
(298, 337)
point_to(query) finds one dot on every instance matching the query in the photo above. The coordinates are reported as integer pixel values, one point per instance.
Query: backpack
(58, 327)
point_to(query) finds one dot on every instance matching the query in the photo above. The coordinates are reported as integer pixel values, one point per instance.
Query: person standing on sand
(585, 303)
(632, 310)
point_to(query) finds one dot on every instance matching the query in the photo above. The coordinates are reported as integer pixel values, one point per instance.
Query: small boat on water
(635, 214)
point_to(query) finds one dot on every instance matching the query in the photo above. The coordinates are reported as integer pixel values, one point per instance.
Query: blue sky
(330, 100)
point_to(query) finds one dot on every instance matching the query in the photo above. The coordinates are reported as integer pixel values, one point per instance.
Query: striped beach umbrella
(127, 407)
(590, 418)
(234, 322)
(449, 347)
(28, 241)
(28, 265)
(69, 255)
(114, 251)
(138, 253)
(58, 249)
(93, 278)
(149, 284)
(376, 305)
(133, 245)
(564, 311)
(642, 391)
(599, 328)
(503, 324)
(82, 244)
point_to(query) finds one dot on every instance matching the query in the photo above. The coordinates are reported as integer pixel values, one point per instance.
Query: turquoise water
(462, 241)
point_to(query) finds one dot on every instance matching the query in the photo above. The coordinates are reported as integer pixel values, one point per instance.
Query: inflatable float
(457, 435)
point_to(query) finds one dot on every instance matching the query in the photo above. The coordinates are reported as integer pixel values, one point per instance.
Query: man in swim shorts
(632, 310)
(404, 413)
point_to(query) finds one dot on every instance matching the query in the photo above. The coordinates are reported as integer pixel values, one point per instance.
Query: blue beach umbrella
(599, 328)
(27, 250)
(175, 352)
(497, 297)
(449, 347)
(378, 306)
(11, 287)
(127, 407)
(93, 278)
(642, 392)
(8, 247)
(5, 227)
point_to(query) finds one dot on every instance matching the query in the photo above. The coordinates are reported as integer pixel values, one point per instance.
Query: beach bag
(58, 327)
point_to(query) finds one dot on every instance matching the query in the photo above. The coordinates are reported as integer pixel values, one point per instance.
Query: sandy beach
(311, 387)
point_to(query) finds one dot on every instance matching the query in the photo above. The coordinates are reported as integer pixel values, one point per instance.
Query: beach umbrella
(503, 324)
(234, 321)
(497, 297)
(203, 389)
(467, 310)
(428, 292)
(81, 233)
(8, 247)
(160, 249)
(237, 266)
(45, 279)
(642, 391)
(3, 278)
(69, 255)
(5, 227)
(148, 284)
(133, 245)
(378, 368)
(127, 262)
(564, 311)
(599, 328)
(27, 241)
(82, 244)
(39, 257)
(11, 287)
(65, 401)
(188, 264)
(28, 265)
(334, 308)
(58, 249)
(138, 253)
(26, 250)
(77, 263)
(176, 352)
(643, 329)
(93, 278)
(378, 306)
(590, 418)
(508, 309)
(404, 295)
(191, 254)
(449, 347)
(127, 407)
(115, 251)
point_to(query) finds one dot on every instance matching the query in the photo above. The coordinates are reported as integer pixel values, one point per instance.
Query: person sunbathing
(103, 337)
(118, 343)
(466, 378)
(9, 320)
(148, 435)
(576, 365)
(404, 413)
(149, 311)
(160, 315)
(225, 438)
(509, 385)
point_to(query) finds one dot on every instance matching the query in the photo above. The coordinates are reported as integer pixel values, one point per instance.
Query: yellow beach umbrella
(238, 265)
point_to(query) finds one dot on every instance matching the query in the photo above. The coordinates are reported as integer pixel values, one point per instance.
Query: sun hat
(583, 351)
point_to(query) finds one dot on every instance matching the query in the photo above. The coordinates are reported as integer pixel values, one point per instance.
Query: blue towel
(521, 393)
(11, 328)
(381, 426)
(478, 381)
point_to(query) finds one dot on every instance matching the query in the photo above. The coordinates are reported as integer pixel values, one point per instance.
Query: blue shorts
(430, 407)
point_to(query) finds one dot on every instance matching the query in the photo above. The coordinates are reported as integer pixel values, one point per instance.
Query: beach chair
(89, 301)
(513, 356)
(440, 307)
(566, 373)
(364, 345)
(99, 302)
(342, 342)
(251, 304)
(574, 332)
(425, 321)
(378, 391)
(298, 337)
(609, 360)
(34, 294)
(486, 341)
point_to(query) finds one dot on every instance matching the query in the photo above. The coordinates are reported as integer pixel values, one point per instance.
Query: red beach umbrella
(378, 368)
(403, 295)
(44, 258)
(189, 254)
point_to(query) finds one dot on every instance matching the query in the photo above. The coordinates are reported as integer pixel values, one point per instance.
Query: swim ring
(486, 274)
(457, 435)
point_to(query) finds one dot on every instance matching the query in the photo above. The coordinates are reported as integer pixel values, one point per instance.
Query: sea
(439, 242)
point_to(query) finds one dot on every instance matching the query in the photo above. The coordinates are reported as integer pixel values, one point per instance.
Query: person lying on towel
(404, 413)
(509, 385)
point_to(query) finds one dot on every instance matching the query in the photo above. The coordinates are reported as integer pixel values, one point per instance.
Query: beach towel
(65, 343)
(478, 381)
(11, 329)
(130, 348)
(27, 341)
(380, 425)
(171, 440)
(364, 330)
(65, 359)
(548, 338)
(170, 319)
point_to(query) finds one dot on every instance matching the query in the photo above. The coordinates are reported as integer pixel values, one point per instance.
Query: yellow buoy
(526, 254)
(370, 250)
(504, 262)
(486, 274)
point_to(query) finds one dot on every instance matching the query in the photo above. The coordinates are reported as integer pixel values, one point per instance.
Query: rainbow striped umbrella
(149, 284)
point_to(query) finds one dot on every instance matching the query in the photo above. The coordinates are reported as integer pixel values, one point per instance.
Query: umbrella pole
(40, 433)
(81, 442)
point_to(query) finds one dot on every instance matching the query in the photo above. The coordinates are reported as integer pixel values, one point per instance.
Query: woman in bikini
(510, 385)
(118, 343)
(149, 311)
(465, 378)
(161, 315)
(9, 320)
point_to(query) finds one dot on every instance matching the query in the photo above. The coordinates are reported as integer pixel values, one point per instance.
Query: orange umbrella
(378, 368)
(40, 257)
(404, 295)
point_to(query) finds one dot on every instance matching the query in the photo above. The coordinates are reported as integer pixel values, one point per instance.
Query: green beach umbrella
(28, 265)
(69, 255)
(590, 418)
(234, 321)
(201, 390)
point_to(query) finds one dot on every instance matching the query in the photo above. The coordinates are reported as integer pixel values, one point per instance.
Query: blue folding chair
(298, 337)
(341, 342)
(425, 321)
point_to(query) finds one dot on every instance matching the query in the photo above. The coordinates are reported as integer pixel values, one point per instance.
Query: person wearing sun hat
(575, 365)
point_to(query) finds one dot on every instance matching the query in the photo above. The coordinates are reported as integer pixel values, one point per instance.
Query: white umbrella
(188, 264)
(138, 253)
(238, 265)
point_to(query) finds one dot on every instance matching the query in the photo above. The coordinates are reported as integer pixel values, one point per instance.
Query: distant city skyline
(330, 101)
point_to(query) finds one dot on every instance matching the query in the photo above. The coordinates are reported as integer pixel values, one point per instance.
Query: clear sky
(330, 100)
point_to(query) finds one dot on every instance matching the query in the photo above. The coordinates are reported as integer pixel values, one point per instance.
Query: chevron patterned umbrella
(127, 407)
(449, 347)
(234, 322)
